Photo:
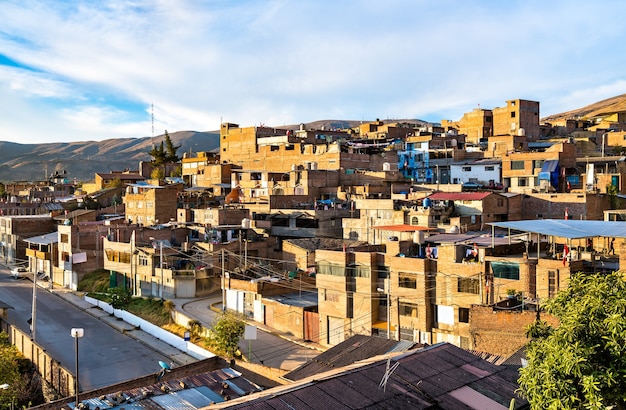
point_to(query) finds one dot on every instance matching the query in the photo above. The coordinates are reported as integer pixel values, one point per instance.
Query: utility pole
(161, 263)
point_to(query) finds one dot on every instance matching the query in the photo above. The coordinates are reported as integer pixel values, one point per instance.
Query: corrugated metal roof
(300, 299)
(442, 376)
(570, 229)
(187, 393)
(459, 196)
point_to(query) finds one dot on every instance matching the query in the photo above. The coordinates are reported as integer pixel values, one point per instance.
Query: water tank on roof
(386, 166)
(245, 223)
(427, 202)
(453, 142)
(314, 166)
(521, 132)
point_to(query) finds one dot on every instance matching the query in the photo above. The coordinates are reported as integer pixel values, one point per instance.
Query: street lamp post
(161, 264)
(76, 332)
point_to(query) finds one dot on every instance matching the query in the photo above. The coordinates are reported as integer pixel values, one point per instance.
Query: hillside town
(445, 235)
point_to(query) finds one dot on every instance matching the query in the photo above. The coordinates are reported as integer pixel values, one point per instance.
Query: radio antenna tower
(152, 116)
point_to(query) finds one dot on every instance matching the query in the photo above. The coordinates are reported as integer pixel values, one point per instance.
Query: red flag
(565, 253)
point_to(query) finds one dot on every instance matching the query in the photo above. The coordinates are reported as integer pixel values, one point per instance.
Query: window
(551, 283)
(359, 271)
(149, 204)
(143, 260)
(407, 280)
(64, 238)
(538, 163)
(325, 268)
(463, 315)
(289, 147)
(517, 165)
(408, 309)
(274, 148)
(488, 119)
(490, 168)
(512, 114)
(467, 169)
(522, 181)
(505, 270)
(383, 271)
(468, 285)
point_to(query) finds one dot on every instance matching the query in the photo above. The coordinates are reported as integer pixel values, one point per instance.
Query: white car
(19, 272)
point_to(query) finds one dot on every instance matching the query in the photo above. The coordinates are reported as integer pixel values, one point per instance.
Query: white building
(480, 171)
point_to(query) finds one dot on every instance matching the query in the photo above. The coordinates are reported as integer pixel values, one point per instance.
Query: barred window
(468, 285)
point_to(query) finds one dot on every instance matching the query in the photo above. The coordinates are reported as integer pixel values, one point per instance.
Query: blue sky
(91, 70)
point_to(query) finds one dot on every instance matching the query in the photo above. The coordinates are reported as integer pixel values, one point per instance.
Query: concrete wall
(57, 376)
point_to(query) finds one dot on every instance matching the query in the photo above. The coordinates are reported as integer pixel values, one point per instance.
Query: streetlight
(76, 332)
(6, 386)
(381, 290)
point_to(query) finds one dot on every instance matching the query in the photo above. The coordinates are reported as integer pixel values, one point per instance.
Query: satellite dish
(164, 365)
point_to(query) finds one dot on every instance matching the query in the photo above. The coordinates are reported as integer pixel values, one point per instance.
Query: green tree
(170, 149)
(114, 183)
(157, 173)
(158, 155)
(195, 329)
(581, 363)
(226, 332)
(611, 191)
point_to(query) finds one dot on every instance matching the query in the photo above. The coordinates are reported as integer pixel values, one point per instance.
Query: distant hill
(610, 105)
(81, 160)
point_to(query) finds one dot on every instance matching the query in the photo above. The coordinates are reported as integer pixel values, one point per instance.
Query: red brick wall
(501, 332)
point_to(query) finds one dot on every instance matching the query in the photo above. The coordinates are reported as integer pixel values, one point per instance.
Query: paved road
(268, 349)
(106, 356)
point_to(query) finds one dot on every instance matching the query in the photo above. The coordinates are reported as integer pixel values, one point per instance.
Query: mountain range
(81, 160)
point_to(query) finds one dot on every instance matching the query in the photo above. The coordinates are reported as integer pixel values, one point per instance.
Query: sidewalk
(147, 339)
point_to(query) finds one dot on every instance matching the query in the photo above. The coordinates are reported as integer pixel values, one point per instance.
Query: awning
(550, 165)
(564, 228)
(47, 239)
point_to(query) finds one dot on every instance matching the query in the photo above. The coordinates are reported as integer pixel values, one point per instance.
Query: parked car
(471, 186)
(19, 272)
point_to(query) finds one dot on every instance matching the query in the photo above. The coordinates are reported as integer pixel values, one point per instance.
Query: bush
(226, 332)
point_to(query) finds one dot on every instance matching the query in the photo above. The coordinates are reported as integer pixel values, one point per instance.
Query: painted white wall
(461, 173)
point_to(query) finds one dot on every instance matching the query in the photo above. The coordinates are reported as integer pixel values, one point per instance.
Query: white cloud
(284, 62)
